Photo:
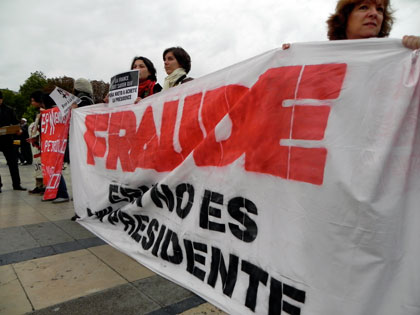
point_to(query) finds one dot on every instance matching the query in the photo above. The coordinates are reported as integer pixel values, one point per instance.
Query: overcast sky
(97, 39)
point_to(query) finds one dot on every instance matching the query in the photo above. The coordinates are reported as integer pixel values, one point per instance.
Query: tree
(36, 81)
(66, 83)
(100, 89)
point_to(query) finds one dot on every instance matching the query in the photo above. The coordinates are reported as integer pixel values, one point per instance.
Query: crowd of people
(352, 19)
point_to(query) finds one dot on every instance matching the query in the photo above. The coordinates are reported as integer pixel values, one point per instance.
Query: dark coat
(183, 79)
(7, 118)
(86, 98)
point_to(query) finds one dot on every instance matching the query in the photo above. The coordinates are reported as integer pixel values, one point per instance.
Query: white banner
(285, 184)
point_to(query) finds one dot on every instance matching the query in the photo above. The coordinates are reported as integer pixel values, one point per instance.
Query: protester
(83, 90)
(62, 194)
(42, 102)
(177, 64)
(8, 118)
(147, 77)
(25, 155)
(35, 140)
(359, 19)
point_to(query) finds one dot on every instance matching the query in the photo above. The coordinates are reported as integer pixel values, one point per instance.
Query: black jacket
(86, 98)
(7, 118)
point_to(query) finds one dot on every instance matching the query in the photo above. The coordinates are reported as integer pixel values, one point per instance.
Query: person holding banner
(147, 77)
(358, 19)
(177, 64)
(82, 89)
(7, 118)
(62, 194)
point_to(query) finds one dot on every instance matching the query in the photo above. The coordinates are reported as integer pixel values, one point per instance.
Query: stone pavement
(52, 265)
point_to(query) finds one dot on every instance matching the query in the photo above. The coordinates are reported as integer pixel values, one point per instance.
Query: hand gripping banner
(285, 184)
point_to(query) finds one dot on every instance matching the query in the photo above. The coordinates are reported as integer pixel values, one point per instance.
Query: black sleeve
(187, 79)
(13, 118)
(157, 88)
(85, 101)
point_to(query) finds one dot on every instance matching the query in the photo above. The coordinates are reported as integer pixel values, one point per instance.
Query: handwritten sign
(64, 100)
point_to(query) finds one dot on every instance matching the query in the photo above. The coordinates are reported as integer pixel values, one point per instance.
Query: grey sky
(97, 39)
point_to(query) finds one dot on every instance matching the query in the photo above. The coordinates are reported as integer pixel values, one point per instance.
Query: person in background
(83, 90)
(147, 77)
(25, 148)
(8, 118)
(34, 139)
(177, 64)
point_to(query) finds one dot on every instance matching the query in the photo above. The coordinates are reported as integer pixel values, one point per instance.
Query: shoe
(44, 200)
(36, 190)
(60, 200)
(41, 191)
(75, 217)
(19, 188)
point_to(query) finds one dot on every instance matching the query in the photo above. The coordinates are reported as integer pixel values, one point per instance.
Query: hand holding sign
(64, 100)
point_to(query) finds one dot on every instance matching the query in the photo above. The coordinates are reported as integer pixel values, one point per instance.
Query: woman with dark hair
(358, 19)
(177, 64)
(147, 77)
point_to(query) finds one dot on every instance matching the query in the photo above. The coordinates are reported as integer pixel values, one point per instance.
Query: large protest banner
(285, 184)
(54, 135)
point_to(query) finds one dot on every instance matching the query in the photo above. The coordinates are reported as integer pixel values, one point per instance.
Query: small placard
(123, 88)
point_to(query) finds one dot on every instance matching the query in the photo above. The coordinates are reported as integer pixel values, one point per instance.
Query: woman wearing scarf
(177, 64)
(147, 77)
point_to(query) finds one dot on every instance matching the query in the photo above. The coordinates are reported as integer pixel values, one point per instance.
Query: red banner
(54, 133)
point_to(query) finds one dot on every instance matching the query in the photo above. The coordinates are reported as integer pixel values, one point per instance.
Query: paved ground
(51, 265)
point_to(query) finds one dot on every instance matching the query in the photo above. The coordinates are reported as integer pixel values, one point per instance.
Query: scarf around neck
(171, 79)
(146, 88)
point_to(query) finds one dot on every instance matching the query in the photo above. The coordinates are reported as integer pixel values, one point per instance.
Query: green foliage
(38, 81)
